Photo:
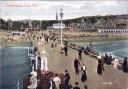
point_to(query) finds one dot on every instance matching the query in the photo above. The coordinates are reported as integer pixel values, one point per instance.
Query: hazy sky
(47, 9)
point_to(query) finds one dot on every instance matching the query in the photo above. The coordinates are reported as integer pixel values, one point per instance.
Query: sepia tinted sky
(45, 10)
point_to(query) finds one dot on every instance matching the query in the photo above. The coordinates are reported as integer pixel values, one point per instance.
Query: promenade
(110, 79)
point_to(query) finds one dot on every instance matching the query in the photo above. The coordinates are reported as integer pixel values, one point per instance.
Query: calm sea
(14, 66)
(116, 48)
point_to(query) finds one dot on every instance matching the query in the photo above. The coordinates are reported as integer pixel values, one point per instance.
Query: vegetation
(16, 25)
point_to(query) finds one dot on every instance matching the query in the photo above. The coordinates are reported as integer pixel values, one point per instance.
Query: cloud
(72, 9)
(105, 7)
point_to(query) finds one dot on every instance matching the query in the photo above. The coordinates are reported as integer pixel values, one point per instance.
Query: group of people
(84, 50)
(115, 62)
(106, 59)
(80, 68)
(56, 82)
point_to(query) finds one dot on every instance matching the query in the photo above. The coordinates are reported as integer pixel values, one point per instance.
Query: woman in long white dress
(44, 61)
(116, 63)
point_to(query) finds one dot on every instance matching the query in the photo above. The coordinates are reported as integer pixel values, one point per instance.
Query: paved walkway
(110, 79)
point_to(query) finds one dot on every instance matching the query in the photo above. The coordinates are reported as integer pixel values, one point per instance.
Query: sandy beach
(73, 37)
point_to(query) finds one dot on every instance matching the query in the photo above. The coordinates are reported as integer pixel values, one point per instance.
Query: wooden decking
(110, 79)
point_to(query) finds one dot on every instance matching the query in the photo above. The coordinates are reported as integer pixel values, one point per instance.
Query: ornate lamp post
(61, 16)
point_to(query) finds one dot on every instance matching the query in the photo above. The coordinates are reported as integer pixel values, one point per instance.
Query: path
(110, 79)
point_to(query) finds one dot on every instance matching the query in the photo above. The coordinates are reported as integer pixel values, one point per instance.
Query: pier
(110, 79)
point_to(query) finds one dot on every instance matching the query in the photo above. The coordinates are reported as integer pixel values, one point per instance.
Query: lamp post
(61, 16)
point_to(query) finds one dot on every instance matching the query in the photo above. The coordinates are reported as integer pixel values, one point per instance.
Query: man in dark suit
(66, 79)
(80, 53)
(65, 50)
(76, 65)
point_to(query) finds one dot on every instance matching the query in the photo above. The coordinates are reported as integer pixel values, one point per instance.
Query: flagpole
(61, 15)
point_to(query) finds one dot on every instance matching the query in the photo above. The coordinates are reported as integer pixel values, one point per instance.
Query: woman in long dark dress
(100, 67)
(84, 76)
(124, 65)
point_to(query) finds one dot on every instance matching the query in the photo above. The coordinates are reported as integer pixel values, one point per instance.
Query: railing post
(18, 85)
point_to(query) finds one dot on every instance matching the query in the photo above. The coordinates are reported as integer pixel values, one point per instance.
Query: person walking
(66, 79)
(76, 86)
(110, 60)
(65, 50)
(51, 84)
(52, 46)
(84, 75)
(44, 61)
(80, 53)
(124, 65)
(76, 65)
(57, 81)
(106, 58)
(65, 46)
(100, 67)
(115, 63)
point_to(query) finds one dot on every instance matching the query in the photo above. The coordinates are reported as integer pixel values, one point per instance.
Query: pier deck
(110, 79)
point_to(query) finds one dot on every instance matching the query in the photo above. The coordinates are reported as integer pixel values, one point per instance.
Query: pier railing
(92, 54)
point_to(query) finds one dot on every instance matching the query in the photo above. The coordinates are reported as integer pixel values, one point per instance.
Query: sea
(14, 66)
(116, 48)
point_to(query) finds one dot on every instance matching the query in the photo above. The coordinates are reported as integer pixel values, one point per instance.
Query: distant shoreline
(95, 42)
(109, 39)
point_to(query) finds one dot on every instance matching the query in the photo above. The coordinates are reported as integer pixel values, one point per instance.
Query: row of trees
(43, 24)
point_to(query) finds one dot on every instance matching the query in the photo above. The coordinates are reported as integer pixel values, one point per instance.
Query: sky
(46, 10)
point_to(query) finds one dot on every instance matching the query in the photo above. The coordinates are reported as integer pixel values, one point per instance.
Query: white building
(113, 31)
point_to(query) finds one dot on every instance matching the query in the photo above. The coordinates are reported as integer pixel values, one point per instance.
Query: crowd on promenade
(103, 59)
(108, 59)
(55, 82)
